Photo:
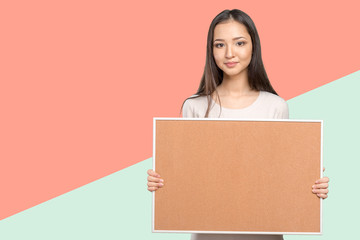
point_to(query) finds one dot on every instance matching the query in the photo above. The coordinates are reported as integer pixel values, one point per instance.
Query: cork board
(237, 176)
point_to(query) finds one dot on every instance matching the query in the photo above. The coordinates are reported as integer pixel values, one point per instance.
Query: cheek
(249, 53)
(217, 58)
(245, 54)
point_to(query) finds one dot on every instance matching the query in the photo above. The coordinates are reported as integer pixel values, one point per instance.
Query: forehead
(230, 30)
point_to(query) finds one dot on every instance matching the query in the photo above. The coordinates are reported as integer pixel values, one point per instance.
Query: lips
(230, 64)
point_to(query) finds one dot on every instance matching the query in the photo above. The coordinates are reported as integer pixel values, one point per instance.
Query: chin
(233, 73)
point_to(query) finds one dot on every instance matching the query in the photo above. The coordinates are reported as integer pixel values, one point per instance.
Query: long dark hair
(213, 75)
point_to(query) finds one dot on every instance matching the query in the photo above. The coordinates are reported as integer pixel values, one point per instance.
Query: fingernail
(313, 186)
(161, 180)
(313, 190)
(158, 175)
(316, 181)
(161, 184)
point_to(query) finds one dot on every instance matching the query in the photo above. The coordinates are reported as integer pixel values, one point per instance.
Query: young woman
(235, 85)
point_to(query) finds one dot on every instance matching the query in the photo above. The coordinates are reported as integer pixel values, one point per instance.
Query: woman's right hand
(154, 181)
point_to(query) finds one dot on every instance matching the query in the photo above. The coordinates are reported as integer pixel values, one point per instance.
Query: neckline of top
(239, 109)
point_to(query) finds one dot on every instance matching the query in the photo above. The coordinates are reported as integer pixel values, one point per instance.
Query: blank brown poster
(236, 175)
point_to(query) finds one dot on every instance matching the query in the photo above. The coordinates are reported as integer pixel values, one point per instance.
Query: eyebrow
(224, 40)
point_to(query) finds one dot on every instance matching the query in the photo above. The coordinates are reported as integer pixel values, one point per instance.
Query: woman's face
(232, 48)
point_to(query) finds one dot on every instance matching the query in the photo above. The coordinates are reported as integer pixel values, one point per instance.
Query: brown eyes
(219, 45)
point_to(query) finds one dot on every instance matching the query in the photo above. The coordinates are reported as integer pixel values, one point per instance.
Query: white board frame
(235, 232)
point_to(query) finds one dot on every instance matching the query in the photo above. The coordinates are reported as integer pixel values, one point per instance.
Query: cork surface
(237, 175)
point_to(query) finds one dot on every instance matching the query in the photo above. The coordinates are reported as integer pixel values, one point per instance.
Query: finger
(153, 173)
(323, 196)
(152, 189)
(321, 185)
(154, 179)
(323, 180)
(153, 184)
(321, 191)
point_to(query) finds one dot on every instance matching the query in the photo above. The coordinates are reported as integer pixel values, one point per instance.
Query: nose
(229, 52)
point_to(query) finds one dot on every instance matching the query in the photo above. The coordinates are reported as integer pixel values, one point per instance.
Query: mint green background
(119, 206)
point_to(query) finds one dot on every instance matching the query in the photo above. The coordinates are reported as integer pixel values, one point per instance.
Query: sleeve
(187, 110)
(282, 110)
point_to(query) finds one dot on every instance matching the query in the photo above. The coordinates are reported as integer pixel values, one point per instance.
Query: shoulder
(195, 100)
(273, 99)
(193, 105)
(277, 104)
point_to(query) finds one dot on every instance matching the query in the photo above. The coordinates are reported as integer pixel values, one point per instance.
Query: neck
(235, 85)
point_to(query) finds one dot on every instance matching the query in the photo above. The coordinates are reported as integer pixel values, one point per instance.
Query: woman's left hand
(320, 188)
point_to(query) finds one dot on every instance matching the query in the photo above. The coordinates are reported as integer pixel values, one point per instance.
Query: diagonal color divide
(118, 206)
